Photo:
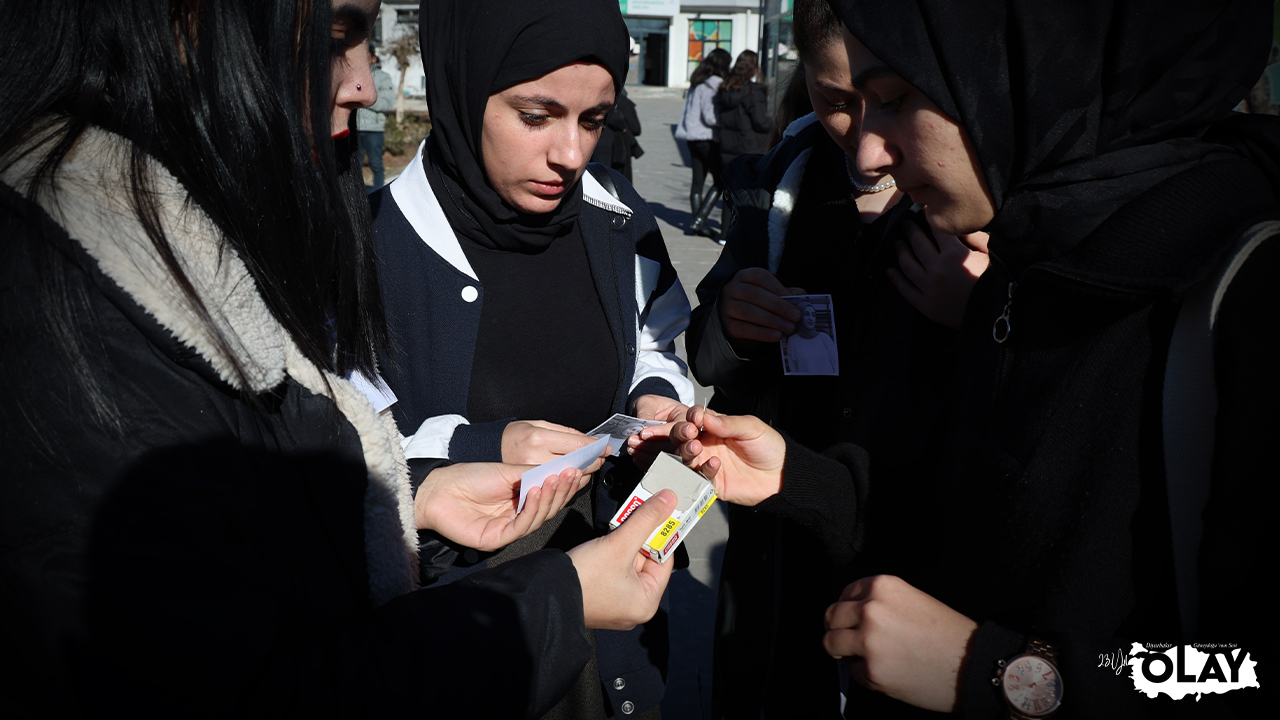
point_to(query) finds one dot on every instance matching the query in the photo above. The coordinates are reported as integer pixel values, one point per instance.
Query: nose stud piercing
(358, 87)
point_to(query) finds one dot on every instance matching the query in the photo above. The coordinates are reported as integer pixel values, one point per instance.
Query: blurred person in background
(699, 128)
(371, 122)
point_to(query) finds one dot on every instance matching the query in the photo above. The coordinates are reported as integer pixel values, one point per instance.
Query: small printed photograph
(811, 349)
(620, 427)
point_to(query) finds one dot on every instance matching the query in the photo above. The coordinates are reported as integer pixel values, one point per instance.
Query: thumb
(640, 525)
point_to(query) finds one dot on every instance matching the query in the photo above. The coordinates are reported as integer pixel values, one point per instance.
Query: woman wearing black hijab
(1095, 143)
(528, 298)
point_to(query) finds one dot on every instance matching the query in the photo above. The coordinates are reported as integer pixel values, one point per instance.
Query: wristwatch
(1029, 682)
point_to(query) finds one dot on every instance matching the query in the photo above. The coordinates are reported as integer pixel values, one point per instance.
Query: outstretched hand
(905, 643)
(743, 457)
(622, 586)
(938, 278)
(474, 504)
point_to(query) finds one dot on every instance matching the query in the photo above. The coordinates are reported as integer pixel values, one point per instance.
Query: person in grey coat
(371, 122)
(698, 128)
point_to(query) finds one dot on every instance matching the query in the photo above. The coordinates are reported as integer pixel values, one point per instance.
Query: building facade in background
(671, 37)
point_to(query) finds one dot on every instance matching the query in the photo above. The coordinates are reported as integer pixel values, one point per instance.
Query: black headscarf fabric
(474, 48)
(1074, 108)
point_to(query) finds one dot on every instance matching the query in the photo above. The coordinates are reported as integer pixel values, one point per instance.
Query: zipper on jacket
(1002, 327)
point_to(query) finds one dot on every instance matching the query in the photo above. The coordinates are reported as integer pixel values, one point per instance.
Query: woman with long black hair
(530, 298)
(200, 514)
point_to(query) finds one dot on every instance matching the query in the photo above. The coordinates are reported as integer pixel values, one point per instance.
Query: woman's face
(352, 77)
(904, 134)
(837, 104)
(809, 317)
(538, 136)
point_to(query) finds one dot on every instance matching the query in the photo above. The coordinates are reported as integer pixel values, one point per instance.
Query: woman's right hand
(742, 456)
(621, 585)
(752, 308)
(534, 442)
(474, 504)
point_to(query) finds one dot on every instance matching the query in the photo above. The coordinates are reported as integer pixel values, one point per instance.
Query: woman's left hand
(474, 504)
(905, 643)
(937, 279)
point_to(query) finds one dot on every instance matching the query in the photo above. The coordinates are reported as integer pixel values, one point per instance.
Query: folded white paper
(580, 458)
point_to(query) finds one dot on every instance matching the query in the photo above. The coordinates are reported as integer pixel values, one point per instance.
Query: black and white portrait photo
(811, 349)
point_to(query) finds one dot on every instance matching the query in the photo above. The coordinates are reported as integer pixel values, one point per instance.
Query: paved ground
(662, 178)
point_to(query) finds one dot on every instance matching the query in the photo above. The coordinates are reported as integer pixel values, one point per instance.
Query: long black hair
(715, 63)
(233, 98)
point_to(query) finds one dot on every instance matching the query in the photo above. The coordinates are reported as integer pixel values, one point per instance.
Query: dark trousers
(706, 158)
(371, 147)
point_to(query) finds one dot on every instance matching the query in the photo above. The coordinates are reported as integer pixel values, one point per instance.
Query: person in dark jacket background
(743, 111)
(618, 144)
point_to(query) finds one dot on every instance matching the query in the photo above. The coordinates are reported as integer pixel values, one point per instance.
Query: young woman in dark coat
(529, 297)
(742, 108)
(200, 515)
(803, 226)
(1114, 182)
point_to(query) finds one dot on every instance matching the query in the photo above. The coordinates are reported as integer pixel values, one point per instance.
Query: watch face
(1032, 686)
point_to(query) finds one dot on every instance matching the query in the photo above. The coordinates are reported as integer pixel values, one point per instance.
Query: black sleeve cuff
(651, 386)
(481, 442)
(977, 697)
(826, 493)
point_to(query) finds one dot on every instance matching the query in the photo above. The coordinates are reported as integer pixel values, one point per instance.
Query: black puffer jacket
(744, 119)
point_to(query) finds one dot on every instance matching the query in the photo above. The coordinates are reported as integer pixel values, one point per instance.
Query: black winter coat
(744, 122)
(617, 144)
(777, 580)
(1048, 515)
(172, 545)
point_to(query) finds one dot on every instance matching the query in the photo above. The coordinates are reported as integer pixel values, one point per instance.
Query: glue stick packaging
(694, 496)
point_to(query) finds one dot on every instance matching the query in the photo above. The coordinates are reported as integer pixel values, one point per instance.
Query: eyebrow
(874, 72)
(552, 102)
(540, 100)
(831, 86)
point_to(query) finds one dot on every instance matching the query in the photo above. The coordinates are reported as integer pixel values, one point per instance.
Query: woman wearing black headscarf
(1095, 143)
(529, 299)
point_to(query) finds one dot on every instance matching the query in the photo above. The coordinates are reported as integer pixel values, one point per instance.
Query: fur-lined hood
(91, 202)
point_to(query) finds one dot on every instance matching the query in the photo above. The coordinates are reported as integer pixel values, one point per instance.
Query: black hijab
(1075, 107)
(474, 48)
